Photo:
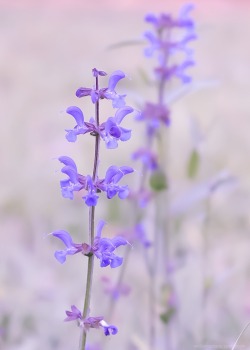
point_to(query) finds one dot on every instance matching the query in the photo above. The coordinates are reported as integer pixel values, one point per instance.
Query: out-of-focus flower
(163, 42)
(89, 322)
(116, 290)
(154, 115)
(148, 158)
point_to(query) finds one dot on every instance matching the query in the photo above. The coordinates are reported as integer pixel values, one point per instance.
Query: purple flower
(71, 247)
(81, 127)
(154, 115)
(141, 236)
(104, 248)
(162, 42)
(112, 131)
(147, 157)
(108, 329)
(91, 198)
(75, 182)
(74, 314)
(109, 184)
(89, 322)
(105, 93)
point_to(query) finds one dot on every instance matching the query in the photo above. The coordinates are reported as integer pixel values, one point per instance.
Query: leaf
(158, 181)
(193, 164)
(125, 43)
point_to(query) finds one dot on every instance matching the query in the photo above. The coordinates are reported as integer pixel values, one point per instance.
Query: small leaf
(158, 181)
(193, 164)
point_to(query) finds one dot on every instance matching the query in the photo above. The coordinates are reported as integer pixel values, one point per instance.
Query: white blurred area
(47, 51)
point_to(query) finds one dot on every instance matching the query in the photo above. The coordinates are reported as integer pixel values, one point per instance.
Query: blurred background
(47, 51)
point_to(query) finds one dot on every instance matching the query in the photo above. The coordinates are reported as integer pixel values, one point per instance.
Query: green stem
(90, 271)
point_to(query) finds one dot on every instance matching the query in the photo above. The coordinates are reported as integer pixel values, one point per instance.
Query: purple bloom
(154, 115)
(91, 198)
(75, 182)
(89, 322)
(112, 131)
(140, 235)
(71, 247)
(81, 127)
(74, 314)
(162, 42)
(109, 184)
(108, 329)
(105, 93)
(147, 157)
(104, 248)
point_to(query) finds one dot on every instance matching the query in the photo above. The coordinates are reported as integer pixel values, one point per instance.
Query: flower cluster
(89, 322)
(77, 182)
(90, 186)
(169, 41)
(102, 248)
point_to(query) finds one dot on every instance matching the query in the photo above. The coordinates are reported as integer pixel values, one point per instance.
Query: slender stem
(90, 270)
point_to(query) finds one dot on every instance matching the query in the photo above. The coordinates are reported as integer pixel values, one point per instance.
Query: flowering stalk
(98, 247)
(156, 116)
(91, 226)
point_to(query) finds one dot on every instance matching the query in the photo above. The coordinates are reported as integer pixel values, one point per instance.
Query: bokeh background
(47, 51)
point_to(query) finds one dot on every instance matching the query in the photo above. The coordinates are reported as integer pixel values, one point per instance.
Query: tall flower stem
(91, 229)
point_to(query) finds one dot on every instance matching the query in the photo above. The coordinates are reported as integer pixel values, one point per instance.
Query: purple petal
(77, 114)
(121, 113)
(91, 199)
(100, 226)
(123, 192)
(71, 135)
(68, 161)
(64, 236)
(118, 101)
(125, 134)
(81, 92)
(116, 262)
(114, 78)
(74, 314)
(111, 144)
(98, 72)
(110, 173)
(118, 241)
(60, 256)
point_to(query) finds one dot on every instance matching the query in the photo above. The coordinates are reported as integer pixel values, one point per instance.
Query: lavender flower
(105, 93)
(89, 322)
(110, 131)
(103, 248)
(147, 157)
(71, 247)
(77, 182)
(165, 47)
